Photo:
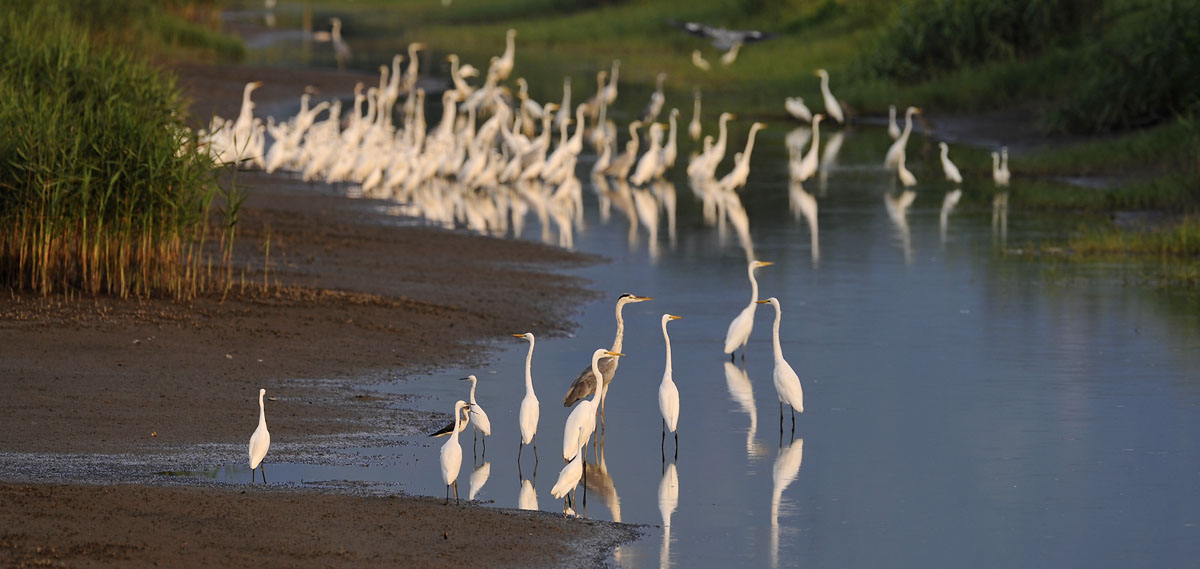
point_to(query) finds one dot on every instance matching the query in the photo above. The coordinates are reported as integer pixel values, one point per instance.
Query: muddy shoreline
(106, 399)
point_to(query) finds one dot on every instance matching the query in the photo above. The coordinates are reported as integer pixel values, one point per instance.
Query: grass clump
(102, 189)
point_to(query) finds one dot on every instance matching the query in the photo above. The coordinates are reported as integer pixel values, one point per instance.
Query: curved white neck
(473, 383)
(529, 368)
(457, 422)
(599, 381)
(667, 339)
(753, 286)
(907, 125)
(262, 412)
(775, 332)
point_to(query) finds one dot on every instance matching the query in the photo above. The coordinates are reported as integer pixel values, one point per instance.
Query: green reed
(102, 188)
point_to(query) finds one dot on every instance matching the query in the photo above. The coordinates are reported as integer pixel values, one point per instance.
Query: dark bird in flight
(722, 38)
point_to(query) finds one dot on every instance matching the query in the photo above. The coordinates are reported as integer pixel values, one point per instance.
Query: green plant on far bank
(1175, 245)
(102, 189)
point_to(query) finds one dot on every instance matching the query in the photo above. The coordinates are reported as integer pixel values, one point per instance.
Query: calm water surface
(963, 407)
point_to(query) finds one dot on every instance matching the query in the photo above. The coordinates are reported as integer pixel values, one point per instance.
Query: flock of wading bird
(488, 176)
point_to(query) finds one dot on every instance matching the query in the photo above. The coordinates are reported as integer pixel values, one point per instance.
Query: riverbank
(102, 393)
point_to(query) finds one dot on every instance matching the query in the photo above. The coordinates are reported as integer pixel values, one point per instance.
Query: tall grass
(102, 189)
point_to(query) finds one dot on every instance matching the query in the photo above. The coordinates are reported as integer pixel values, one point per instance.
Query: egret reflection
(527, 498)
(897, 209)
(664, 190)
(598, 481)
(668, 500)
(787, 466)
(741, 390)
(803, 204)
(478, 478)
(948, 204)
(1000, 218)
(829, 160)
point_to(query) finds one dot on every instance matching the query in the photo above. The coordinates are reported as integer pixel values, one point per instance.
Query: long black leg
(781, 418)
(793, 420)
(676, 445)
(262, 467)
(663, 443)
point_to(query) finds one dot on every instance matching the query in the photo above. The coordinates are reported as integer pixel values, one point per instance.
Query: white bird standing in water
(568, 477)
(897, 147)
(999, 175)
(451, 455)
(739, 329)
(948, 167)
(795, 106)
(907, 178)
(893, 128)
(694, 126)
(582, 420)
(668, 394)
(478, 416)
(787, 383)
(260, 441)
(530, 408)
(832, 108)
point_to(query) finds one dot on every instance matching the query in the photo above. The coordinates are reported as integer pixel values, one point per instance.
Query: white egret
(340, 50)
(739, 329)
(530, 408)
(832, 108)
(504, 64)
(795, 106)
(568, 477)
(907, 178)
(787, 383)
(1004, 164)
(737, 177)
(808, 165)
(694, 126)
(657, 100)
(948, 167)
(1000, 176)
(582, 420)
(585, 382)
(699, 61)
(668, 394)
(478, 415)
(260, 441)
(451, 455)
(897, 147)
(730, 56)
(893, 128)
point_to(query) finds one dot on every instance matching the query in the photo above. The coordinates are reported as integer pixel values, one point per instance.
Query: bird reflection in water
(1000, 218)
(829, 160)
(948, 204)
(478, 478)
(527, 498)
(597, 480)
(741, 390)
(787, 466)
(647, 212)
(668, 500)
(664, 190)
(897, 209)
(803, 204)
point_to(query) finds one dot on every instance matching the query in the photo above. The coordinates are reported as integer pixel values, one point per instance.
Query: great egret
(582, 420)
(1004, 164)
(787, 383)
(694, 126)
(832, 107)
(668, 394)
(451, 456)
(893, 128)
(340, 50)
(568, 477)
(478, 415)
(504, 64)
(737, 177)
(530, 408)
(585, 382)
(260, 441)
(808, 165)
(657, 100)
(893, 153)
(948, 167)
(795, 106)
(699, 61)
(1000, 176)
(739, 329)
(730, 56)
(907, 178)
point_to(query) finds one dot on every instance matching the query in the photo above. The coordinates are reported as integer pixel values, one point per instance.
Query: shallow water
(963, 406)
